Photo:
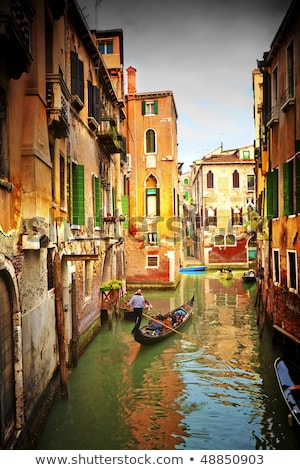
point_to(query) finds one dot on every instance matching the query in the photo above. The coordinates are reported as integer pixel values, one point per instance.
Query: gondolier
(137, 302)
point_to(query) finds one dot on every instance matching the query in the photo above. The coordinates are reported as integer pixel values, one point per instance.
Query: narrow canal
(213, 388)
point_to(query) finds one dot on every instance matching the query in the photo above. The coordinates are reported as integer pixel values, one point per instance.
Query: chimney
(131, 80)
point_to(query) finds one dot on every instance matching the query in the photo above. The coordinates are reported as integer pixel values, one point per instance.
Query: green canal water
(213, 388)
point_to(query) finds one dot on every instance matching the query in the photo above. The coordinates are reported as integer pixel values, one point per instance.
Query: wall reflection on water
(213, 388)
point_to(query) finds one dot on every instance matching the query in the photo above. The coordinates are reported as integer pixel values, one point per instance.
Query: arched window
(152, 197)
(150, 141)
(235, 179)
(210, 179)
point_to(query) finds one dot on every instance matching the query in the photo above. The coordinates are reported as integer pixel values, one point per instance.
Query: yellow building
(153, 245)
(223, 194)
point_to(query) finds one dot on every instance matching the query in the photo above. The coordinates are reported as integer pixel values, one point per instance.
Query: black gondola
(290, 391)
(157, 329)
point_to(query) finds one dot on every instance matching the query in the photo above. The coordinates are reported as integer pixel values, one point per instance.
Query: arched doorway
(7, 388)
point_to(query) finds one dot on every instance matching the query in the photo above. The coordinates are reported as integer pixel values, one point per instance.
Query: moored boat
(193, 269)
(289, 389)
(249, 276)
(225, 273)
(161, 327)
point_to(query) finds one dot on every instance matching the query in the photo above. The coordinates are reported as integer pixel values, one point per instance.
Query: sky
(204, 51)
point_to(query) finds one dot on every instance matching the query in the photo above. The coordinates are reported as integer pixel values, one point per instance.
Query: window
(150, 141)
(292, 272)
(93, 101)
(210, 179)
(152, 238)
(237, 215)
(97, 196)
(235, 179)
(287, 97)
(62, 183)
(152, 261)
(250, 182)
(276, 266)
(50, 268)
(225, 240)
(149, 108)
(186, 181)
(272, 193)
(210, 216)
(78, 209)
(77, 83)
(290, 70)
(291, 186)
(274, 96)
(246, 154)
(106, 46)
(152, 197)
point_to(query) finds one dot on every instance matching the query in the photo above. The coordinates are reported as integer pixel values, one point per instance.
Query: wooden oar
(175, 331)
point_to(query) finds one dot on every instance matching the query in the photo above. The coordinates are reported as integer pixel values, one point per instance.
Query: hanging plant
(114, 284)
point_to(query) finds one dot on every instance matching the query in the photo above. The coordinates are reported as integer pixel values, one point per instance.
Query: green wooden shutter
(269, 179)
(275, 193)
(78, 209)
(287, 188)
(97, 201)
(297, 188)
(155, 107)
(143, 108)
(124, 202)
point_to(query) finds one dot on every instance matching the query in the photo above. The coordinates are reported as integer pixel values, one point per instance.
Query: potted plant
(122, 217)
(109, 218)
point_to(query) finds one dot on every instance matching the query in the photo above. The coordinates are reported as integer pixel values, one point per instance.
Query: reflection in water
(178, 394)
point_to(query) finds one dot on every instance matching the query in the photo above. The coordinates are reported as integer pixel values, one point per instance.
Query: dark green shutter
(97, 200)
(124, 202)
(287, 188)
(78, 210)
(297, 182)
(275, 193)
(155, 107)
(143, 108)
(270, 190)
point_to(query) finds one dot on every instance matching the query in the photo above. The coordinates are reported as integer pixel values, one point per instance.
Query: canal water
(214, 388)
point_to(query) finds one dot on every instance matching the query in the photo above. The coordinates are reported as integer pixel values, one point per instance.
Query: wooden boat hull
(148, 337)
(193, 269)
(290, 391)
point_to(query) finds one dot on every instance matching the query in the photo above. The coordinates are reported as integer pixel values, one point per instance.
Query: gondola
(158, 327)
(249, 276)
(290, 391)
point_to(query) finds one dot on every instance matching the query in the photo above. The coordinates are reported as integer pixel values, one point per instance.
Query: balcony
(109, 137)
(273, 116)
(58, 99)
(287, 99)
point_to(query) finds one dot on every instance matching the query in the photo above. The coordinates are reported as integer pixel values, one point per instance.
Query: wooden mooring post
(60, 326)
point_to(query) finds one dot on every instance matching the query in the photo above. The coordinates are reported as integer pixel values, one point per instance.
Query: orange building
(153, 245)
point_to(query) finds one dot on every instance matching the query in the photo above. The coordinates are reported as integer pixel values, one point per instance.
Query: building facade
(153, 244)
(61, 199)
(278, 165)
(223, 198)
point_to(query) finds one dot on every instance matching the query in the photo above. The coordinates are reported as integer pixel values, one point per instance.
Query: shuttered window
(272, 193)
(97, 201)
(78, 209)
(77, 83)
(93, 101)
(149, 108)
(288, 188)
(124, 202)
(297, 184)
